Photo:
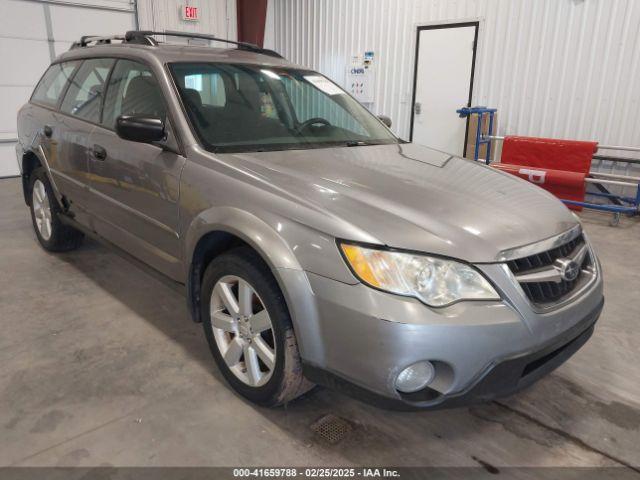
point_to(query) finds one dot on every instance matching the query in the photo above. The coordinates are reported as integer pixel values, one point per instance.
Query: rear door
(79, 113)
(136, 185)
(37, 120)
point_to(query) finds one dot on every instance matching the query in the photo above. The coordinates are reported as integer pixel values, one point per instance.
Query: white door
(32, 34)
(443, 81)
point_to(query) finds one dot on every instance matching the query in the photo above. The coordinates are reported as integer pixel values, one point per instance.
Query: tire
(45, 210)
(285, 380)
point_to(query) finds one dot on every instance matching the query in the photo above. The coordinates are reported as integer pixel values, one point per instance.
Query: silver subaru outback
(314, 246)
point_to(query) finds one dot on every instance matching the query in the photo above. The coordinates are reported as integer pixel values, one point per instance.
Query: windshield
(239, 108)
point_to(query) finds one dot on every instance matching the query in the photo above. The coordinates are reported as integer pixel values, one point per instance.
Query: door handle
(98, 152)
(48, 131)
(417, 108)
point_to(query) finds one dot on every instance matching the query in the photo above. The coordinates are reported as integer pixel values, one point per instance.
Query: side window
(132, 90)
(84, 97)
(53, 82)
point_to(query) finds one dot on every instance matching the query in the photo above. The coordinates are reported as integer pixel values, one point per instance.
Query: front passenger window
(84, 96)
(132, 90)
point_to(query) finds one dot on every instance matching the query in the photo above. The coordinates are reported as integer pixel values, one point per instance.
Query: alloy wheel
(41, 209)
(243, 330)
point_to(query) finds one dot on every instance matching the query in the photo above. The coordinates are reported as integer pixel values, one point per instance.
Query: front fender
(246, 226)
(274, 249)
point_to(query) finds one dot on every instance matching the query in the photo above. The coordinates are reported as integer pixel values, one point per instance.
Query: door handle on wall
(98, 152)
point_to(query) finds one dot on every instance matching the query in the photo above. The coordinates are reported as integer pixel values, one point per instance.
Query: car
(314, 245)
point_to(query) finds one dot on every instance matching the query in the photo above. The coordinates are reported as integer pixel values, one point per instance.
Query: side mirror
(140, 128)
(386, 120)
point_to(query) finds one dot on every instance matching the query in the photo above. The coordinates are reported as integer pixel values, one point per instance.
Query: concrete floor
(101, 365)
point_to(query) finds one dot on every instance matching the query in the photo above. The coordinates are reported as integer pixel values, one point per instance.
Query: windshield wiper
(360, 143)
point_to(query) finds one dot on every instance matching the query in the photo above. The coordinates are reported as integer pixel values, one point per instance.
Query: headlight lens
(435, 281)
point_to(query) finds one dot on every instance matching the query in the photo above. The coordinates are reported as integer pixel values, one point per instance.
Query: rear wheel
(249, 330)
(52, 234)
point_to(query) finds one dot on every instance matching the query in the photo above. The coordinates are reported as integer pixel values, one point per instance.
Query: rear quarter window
(53, 83)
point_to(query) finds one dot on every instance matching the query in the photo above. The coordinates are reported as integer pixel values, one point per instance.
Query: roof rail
(145, 37)
(140, 36)
(97, 39)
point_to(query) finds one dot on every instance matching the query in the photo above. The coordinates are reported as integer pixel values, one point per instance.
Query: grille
(548, 292)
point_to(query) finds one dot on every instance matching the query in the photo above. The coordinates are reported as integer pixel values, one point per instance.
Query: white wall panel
(557, 68)
(71, 23)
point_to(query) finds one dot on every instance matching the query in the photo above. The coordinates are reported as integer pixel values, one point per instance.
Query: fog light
(415, 377)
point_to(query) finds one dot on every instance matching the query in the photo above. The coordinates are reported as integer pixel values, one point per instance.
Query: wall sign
(189, 13)
(361, 78)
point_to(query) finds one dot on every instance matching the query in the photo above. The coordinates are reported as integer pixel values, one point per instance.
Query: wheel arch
(219, 230)
(30, 161)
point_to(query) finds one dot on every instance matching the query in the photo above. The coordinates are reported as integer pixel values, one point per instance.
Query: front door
(443, 83)
(135, 186)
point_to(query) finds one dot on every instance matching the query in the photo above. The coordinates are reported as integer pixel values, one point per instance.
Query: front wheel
(249, 330)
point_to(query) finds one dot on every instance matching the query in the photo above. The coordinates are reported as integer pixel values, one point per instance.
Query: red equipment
(558, 166)
(564, 185)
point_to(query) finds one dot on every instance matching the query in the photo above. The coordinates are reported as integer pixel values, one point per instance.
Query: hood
(410, 197)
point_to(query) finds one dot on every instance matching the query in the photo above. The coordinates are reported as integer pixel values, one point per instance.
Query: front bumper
(499, 380)
(362, 338)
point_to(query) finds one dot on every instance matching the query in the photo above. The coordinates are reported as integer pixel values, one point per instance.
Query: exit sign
(189, 13)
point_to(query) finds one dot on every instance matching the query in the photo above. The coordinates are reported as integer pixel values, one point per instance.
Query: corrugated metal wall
(217, 17)
(557, 68)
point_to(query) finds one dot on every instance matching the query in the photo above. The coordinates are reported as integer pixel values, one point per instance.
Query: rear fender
(40, 154)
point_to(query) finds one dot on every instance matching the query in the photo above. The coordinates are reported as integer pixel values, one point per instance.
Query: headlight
(435, 281)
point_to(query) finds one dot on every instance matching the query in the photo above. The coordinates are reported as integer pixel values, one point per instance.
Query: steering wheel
(312, 121)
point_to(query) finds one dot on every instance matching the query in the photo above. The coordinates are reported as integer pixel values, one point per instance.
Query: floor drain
(332, 428)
